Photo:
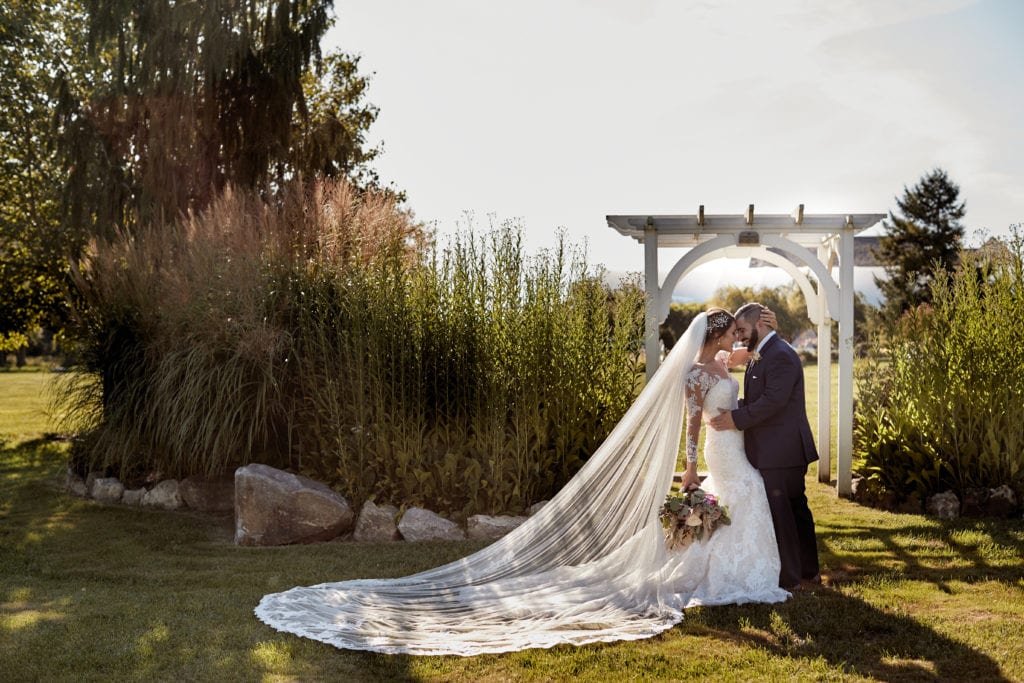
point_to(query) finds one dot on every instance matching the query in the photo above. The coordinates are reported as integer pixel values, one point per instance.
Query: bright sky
(558, 113)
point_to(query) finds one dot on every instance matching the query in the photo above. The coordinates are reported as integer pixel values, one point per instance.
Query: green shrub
(327, 334)
(944, 408)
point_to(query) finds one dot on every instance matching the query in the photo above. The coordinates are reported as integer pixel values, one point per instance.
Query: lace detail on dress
(698, 382)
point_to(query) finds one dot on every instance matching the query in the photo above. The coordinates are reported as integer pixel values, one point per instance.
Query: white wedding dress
(740, 562)
(590, 566)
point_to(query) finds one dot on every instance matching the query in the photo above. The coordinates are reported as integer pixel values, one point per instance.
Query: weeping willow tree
(189, 97)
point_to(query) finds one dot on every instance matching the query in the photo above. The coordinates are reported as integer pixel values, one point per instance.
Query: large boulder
(487, 528)
(107, 490)
(944, 505)
(376, 523)
(208, 494)
(418, 524)
(273, 507)
(164, 495)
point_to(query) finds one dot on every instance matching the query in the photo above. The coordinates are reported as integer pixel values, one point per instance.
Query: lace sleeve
(695, 390)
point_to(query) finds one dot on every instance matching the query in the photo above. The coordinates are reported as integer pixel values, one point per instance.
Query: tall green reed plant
(478, 381)
(944, 408)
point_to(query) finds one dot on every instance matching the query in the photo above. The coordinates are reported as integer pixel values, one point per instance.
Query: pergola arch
(707, 252)
(784, 240)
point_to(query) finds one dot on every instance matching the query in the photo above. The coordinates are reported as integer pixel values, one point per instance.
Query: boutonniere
(755, 357)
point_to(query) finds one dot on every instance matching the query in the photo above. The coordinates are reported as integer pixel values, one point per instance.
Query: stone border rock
(1000, 502)
(286, 508)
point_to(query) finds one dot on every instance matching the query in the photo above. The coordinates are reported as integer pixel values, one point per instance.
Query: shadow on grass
(936, 551)
(851, 635)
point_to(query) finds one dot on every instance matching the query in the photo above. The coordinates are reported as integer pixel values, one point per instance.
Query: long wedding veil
(588, 567)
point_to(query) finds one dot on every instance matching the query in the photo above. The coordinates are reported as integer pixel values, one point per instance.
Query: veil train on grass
(588, 567)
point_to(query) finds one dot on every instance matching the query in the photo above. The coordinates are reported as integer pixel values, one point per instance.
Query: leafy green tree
(925, 238)
(331, 139)
(35, 40)
(792, 318)
(187, 98)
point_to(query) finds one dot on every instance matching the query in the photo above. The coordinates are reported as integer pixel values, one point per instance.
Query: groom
(778, 440)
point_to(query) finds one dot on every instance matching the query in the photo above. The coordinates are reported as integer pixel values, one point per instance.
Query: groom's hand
(722, 421)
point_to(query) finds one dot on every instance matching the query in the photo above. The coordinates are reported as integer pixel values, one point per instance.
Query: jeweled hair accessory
(719, 321)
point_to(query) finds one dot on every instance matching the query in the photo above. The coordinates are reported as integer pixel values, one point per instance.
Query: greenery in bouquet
(690, 516)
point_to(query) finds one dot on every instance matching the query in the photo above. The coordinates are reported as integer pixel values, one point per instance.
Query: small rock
(107, 490)
(858, 488)
(487, 528)
(133, 496)
(885, 500)
(376, 523)
(273, 507)
(1002, 502)
(76, 485)
(90, 479)
(866, 491)
(975, 503)
(944, 505)
(164, 496)
(208, 494)
(536, 507)
(418, 524)
(910, 505)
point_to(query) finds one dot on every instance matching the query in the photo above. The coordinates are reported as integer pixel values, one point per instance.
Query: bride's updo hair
(719, 321)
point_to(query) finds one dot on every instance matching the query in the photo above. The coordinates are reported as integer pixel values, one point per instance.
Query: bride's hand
(690, 478)
(769, 319)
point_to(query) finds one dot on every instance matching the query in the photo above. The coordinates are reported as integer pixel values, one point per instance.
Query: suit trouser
(794, 524)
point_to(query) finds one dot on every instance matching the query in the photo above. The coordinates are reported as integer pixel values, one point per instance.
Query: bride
(591, 565)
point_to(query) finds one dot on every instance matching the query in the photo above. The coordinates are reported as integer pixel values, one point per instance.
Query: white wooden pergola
(807, 247)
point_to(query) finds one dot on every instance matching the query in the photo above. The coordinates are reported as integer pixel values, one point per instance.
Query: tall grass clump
(944, 408)
(326, 333)
(185, 331)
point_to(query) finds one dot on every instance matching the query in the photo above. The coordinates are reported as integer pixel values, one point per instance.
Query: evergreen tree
(925, 238)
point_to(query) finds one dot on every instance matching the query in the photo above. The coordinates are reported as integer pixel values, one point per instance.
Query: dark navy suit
(779, 444)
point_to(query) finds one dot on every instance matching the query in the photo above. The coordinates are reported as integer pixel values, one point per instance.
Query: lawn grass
(94, 593)
(23, 402)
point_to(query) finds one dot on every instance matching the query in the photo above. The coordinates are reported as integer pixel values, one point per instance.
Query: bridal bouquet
(691, 516)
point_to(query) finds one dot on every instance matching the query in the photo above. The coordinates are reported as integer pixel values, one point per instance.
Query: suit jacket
(772, 414)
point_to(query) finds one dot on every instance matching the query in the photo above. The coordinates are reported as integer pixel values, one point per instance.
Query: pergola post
(844, 483)
(652, 346)
(824, 380)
